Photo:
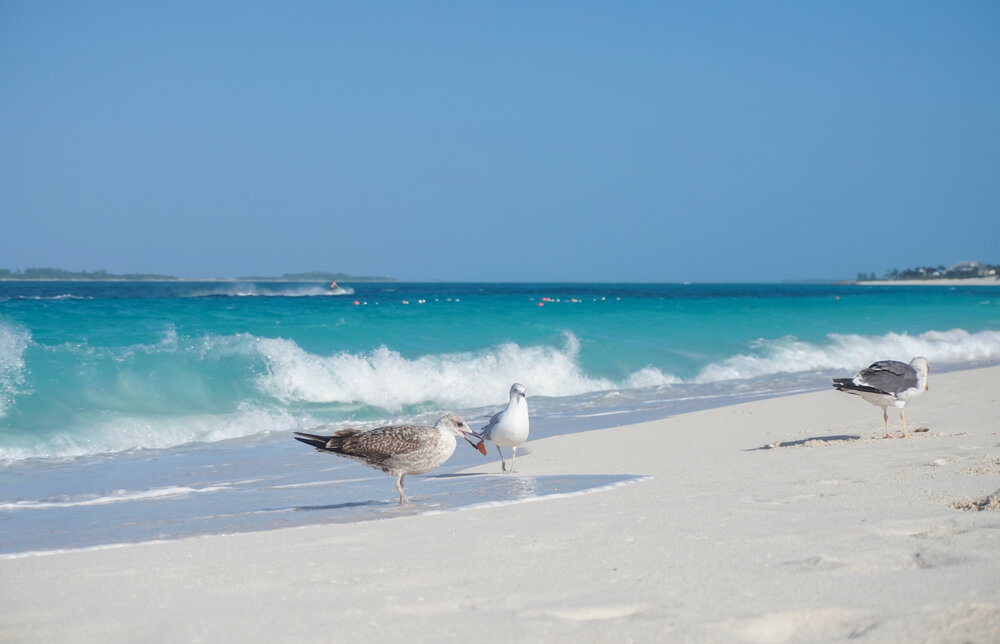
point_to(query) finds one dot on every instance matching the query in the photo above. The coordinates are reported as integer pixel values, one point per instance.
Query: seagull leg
(512, 457)
(399, 488)
(902, 417)
(503, 463)
(885, 419)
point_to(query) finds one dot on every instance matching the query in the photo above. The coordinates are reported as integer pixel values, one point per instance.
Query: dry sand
(784, 520)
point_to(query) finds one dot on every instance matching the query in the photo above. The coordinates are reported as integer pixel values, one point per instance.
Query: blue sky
(535, 141)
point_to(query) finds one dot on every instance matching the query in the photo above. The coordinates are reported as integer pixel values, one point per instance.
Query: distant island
(318, 276)
(59, 274)
(971, 270)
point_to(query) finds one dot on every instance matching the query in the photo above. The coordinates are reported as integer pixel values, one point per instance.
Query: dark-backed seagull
(509, 428)
(888, 383)
(397, 450)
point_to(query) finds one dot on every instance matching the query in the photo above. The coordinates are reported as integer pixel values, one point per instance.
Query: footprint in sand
(991, 502)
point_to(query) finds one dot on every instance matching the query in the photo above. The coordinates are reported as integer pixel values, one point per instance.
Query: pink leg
(402, 495)
(885, 419)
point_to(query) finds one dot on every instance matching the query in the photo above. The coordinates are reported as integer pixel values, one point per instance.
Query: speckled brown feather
(381, 444)
(408, 449)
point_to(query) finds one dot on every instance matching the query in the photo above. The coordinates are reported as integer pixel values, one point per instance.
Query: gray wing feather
(889, 376)
(487, 430)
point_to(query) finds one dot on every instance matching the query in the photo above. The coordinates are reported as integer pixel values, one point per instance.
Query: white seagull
(509, 428)
(888, 383)
(397, 450)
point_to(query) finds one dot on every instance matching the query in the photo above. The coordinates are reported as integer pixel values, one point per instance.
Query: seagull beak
(481, 446)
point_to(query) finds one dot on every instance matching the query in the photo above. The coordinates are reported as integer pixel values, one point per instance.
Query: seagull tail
(848, 385)
(319, 442)
(332, 443)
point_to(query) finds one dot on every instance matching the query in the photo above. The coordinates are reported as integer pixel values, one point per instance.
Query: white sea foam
(14, 340)
(241, 289)
(41, 298)
(119, 432)
(851, 352)
(118, 496)
(384, 378)
(650, 377)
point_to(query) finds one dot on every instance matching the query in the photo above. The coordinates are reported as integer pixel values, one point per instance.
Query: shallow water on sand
(244, 486)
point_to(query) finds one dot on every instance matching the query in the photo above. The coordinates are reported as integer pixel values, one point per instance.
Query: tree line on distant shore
(62, 274)
(102, 275)
(964, 270)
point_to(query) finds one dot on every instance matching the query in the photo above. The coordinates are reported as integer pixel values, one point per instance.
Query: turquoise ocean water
(143, 410)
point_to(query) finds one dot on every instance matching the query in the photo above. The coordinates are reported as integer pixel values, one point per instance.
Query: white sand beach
(785, 520)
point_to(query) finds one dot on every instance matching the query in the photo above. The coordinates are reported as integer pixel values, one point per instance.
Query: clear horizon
(649, 143)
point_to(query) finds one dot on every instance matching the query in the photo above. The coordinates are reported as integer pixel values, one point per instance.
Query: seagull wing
(383, 443)
(487, 430)
(888, 376)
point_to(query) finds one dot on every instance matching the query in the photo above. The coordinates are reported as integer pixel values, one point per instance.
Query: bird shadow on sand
(455, 475)
(808, 442)
(445, 492)
(345, 506)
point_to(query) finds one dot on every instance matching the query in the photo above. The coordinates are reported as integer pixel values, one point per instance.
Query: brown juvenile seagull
(397, 450)
(888, 383)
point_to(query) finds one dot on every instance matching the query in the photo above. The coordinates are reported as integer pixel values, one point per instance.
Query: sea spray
(852, 352)
(14, 340)
(385, 379)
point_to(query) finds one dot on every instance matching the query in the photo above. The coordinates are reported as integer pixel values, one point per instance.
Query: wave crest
(385, 378)
(14, 340)
(852, 352)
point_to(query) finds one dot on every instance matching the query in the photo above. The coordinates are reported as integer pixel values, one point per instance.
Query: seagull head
(517, 389)
(453, 423)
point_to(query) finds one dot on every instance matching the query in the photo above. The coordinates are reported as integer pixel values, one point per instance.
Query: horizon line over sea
(391, 279)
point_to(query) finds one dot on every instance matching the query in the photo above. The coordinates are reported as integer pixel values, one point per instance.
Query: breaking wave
(76, 400)
(956, 347)
(14, 340)
(385, 379)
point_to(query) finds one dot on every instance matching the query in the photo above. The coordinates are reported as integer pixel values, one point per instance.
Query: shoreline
(965, 281)
(759, 523)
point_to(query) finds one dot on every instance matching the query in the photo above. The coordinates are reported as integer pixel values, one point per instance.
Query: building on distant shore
(971, 269)
(962, 270)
